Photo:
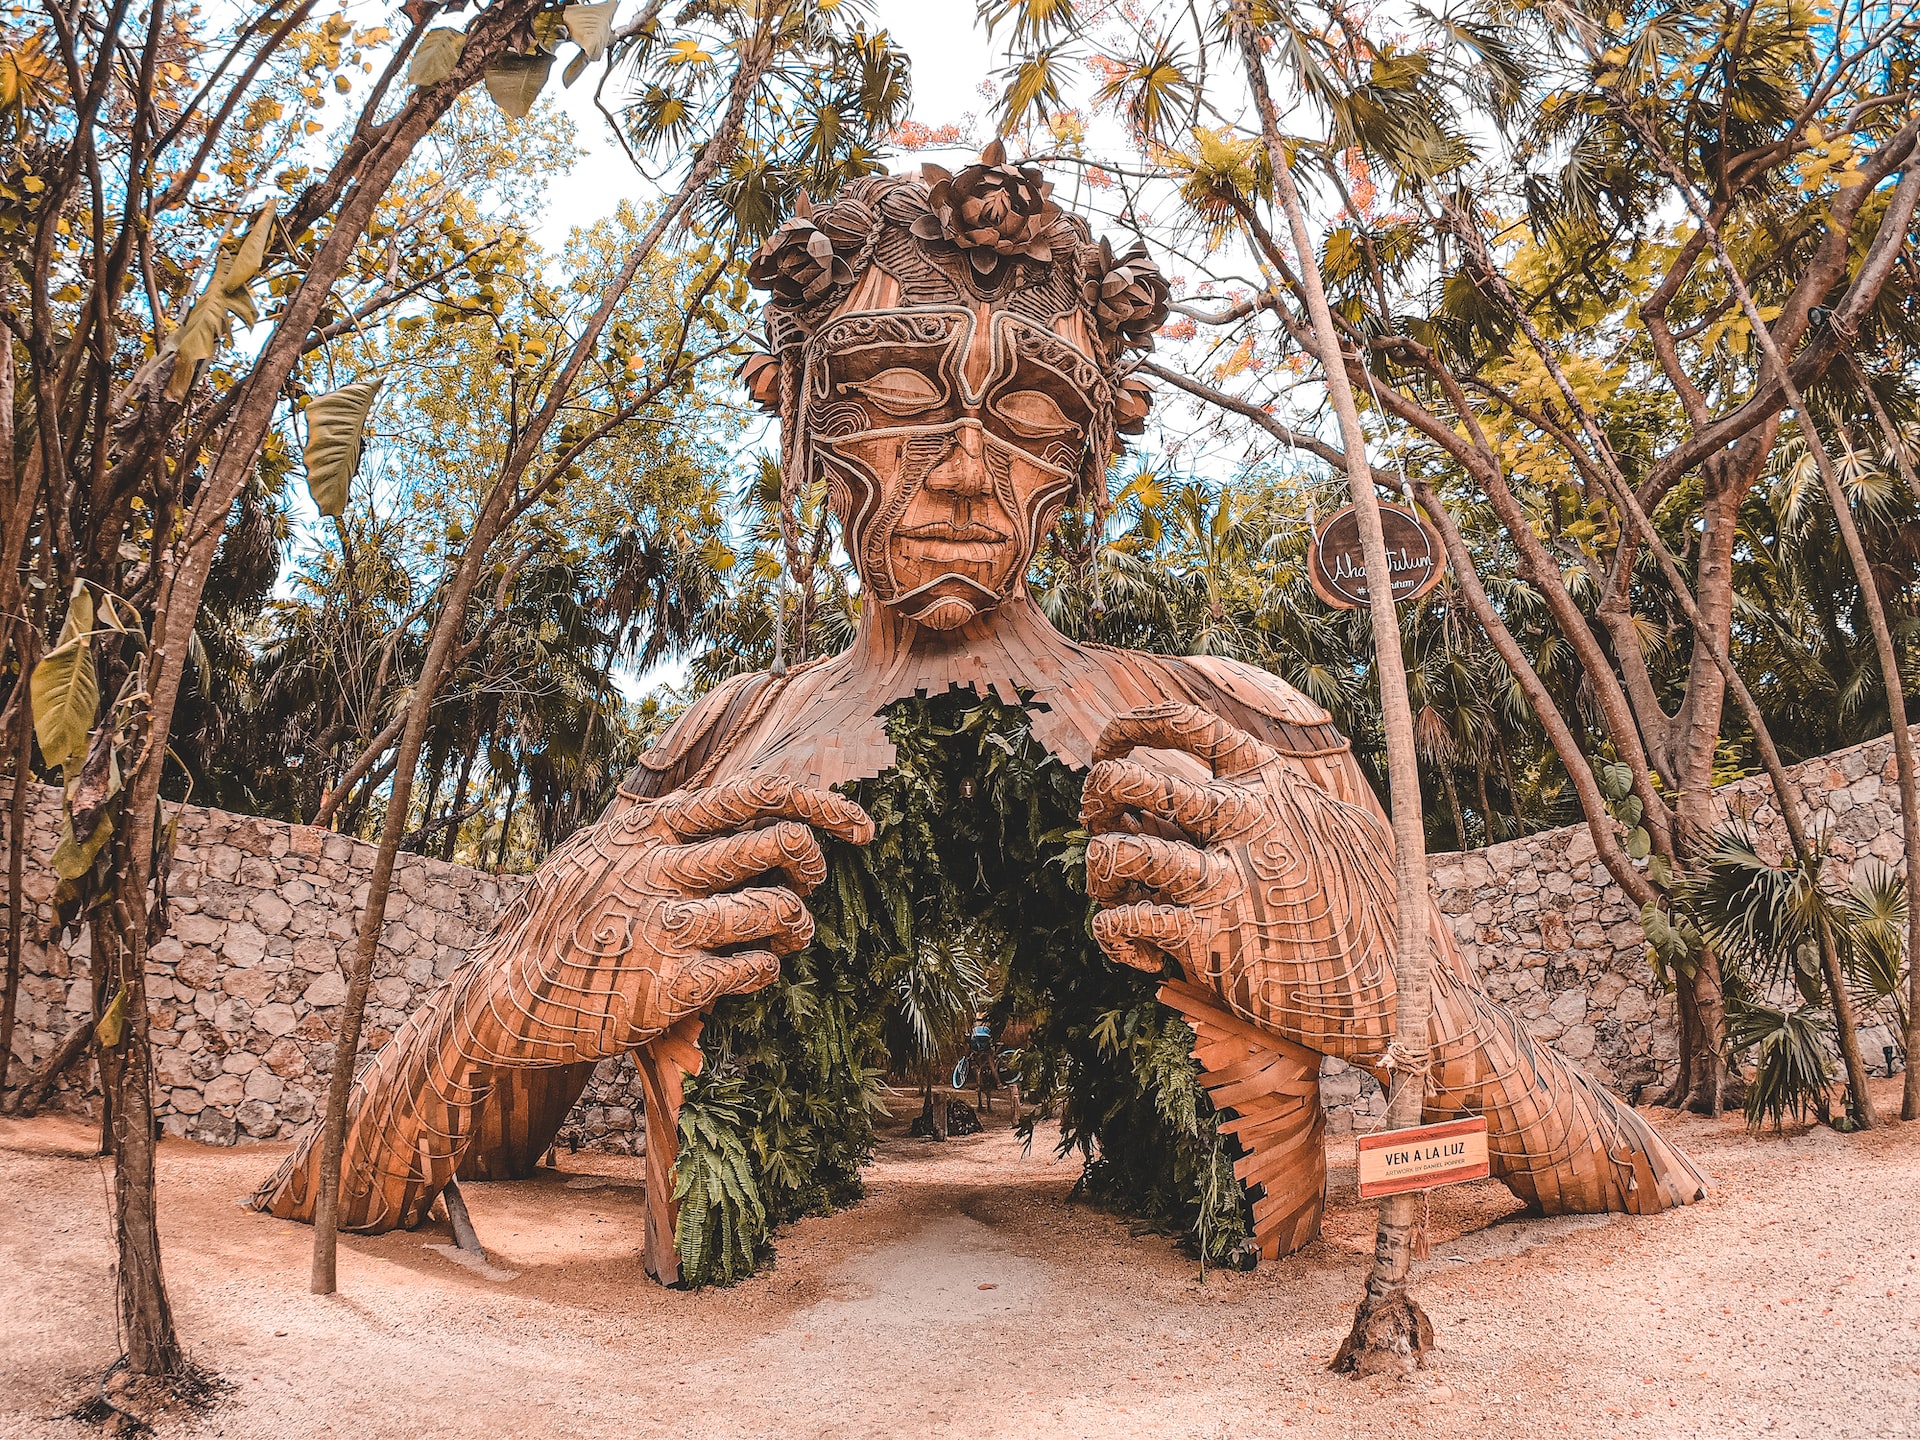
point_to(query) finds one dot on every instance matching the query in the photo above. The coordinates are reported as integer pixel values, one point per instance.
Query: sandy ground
(965, 1297)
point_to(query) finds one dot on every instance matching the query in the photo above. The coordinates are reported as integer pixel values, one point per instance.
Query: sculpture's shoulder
(1258, 702)
(701, 735)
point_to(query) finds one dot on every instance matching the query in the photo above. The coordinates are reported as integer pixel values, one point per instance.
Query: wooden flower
(760, 373)
(1128, 296)
(1131, 404)
(797, 263)
(990, 211)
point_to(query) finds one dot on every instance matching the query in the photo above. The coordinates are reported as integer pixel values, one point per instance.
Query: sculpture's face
(951, 438)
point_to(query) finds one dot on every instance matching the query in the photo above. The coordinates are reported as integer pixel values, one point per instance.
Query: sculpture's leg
(1271, 1086)
(1558, 1139)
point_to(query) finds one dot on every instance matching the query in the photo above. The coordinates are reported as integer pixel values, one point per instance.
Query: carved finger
(739, 804)
(706, 978)
(788, 847)
(770, 913)
(1115, 788)
(1227, 749)
(1137, 935)
(1116, 861)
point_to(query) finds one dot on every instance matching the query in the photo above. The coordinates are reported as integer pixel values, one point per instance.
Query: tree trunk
(1390, 1330)
(126, 1078)
(1903, 203)
(16, 859)
(459, 797)
(755, 59)
(36, 1087)
(1846, 1032)
(506, 819)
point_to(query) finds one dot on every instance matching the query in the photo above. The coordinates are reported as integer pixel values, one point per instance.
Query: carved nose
(963, 469)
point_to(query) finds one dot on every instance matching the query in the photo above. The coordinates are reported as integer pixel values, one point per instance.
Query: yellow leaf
(64, 689)
(687, 52)
(113, 1025)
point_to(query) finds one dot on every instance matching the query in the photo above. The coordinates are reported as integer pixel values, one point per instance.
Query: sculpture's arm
(633, 925)
(1277, 895)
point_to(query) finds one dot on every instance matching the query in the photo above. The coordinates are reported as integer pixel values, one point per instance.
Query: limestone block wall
(246, 990)
(1553, 937)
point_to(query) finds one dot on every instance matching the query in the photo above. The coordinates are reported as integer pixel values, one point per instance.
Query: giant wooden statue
(948, 354)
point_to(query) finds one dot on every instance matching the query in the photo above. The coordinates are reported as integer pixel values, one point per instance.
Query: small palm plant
(934, 998)
(1775, 927)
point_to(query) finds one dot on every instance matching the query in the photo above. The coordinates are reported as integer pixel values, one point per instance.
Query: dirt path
(966, 1298)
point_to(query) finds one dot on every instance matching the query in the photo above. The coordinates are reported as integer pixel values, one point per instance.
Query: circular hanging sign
(1338, 568)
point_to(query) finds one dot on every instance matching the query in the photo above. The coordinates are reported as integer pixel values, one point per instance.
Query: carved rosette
(991, 212)
(798, 262)
(1128, 296)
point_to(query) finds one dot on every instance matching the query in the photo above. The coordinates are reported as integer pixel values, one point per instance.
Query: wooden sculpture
(947, 355)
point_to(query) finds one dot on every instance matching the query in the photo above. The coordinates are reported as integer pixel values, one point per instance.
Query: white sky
(950, 58)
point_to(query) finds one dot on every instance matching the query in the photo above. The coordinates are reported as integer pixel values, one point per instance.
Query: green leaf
(435, 57)
(65, 689)
(336, 424)
(515, 81)
(1639, 843)
(73, 858)
(112, 1028)
(1617, 780)
(1660, 872)
(590, 27)
(195, 341)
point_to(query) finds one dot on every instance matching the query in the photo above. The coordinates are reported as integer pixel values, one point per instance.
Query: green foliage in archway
(977, 826)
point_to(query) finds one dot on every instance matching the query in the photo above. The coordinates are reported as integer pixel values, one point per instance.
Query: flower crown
(991, 232)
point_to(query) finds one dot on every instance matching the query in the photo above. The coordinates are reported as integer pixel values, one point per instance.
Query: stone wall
(1555, 938)
(246, 990)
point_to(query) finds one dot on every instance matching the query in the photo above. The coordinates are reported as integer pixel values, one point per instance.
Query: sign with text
(1337, 566)
(1423, 1157)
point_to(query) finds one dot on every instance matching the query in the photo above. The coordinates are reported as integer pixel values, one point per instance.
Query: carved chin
(947, 613)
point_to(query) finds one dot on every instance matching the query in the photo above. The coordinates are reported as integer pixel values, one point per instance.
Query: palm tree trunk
(1390, 1330)
(506, 819)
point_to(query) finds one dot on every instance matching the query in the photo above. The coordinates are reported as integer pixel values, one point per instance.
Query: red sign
(1423, 1157)
(1337, 565)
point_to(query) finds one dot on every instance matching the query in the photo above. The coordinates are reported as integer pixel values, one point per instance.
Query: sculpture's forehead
(977, 346)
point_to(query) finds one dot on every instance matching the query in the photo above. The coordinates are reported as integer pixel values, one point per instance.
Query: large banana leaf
(435, 56)
(591, 27)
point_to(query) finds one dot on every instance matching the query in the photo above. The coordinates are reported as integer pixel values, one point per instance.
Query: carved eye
(899, 391)
(1032, 413)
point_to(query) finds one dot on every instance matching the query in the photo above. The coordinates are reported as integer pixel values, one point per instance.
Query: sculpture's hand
(1258, 883)
(650, 916)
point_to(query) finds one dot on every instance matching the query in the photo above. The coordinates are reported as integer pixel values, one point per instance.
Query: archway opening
(978, 834)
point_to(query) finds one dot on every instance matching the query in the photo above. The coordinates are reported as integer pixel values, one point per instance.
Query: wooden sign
(1337, 566)
(1423, 1157)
